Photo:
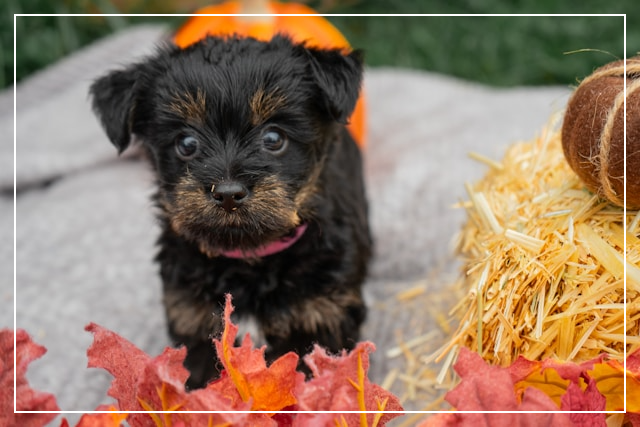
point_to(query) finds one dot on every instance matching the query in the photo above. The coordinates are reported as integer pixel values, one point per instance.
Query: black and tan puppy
(260, 189)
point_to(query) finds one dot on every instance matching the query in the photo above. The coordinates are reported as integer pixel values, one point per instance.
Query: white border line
(15, 219)
(624, 211)
(373, 15)
(624, 16)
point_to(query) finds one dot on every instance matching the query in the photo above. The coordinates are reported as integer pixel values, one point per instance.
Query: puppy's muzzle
(229, 195)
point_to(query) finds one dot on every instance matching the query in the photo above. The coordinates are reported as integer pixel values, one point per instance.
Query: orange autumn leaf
(338, 383)
(610, 380)
(103, 419)
(633, 385)
(268, 389)
(548, 381)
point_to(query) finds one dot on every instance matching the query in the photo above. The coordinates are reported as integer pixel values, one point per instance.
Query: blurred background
(499, 51)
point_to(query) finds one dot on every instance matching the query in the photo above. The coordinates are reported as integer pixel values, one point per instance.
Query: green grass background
(495, 50)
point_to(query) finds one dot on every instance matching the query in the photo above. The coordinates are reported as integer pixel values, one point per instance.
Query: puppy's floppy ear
(113, 99)
(339, 77)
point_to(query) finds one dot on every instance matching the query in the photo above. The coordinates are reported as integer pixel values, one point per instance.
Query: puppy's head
(237, 129)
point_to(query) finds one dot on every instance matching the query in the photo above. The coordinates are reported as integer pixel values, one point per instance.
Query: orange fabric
(314, 30)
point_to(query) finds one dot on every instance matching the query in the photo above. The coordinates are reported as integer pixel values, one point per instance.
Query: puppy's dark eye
(187, 147)
(274, 140)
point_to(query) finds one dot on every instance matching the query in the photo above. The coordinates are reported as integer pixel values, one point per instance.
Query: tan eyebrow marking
(189, 107)
(263, 105)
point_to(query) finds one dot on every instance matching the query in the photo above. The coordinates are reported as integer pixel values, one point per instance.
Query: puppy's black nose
(229, 195)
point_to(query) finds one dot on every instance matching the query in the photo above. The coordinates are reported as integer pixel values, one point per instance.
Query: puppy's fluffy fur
(248, 143)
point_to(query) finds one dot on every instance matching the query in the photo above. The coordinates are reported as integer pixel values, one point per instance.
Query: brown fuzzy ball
(593, 132)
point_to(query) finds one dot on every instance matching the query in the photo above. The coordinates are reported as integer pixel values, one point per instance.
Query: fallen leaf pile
(276, 395)
(594, 386)
(268, 395)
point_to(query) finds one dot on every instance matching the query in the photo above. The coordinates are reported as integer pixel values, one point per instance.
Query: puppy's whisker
(250, 174)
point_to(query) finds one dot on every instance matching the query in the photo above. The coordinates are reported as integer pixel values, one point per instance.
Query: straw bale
(544, 263)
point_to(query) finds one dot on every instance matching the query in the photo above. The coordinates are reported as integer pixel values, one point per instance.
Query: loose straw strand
(633, 67)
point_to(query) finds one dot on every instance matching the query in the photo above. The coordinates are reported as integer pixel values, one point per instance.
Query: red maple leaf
(341, 384)
(522, 368)
(27, 399)
(594, 385)
(142, 383)
(575, 399)
(600, 379)
(491, 388)
(633, 362)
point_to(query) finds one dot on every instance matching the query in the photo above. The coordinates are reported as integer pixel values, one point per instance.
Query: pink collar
(268, 249)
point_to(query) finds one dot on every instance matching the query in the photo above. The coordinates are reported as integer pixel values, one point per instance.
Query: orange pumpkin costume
(313, 29)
